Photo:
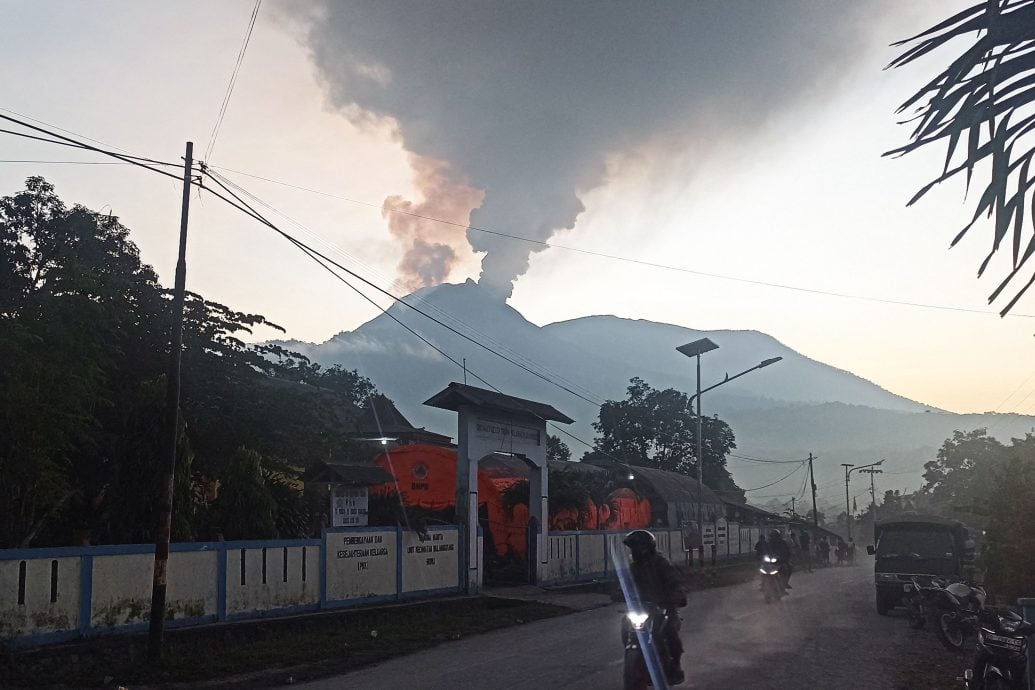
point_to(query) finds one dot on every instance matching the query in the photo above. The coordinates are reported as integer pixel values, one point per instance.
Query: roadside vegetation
(84, 339)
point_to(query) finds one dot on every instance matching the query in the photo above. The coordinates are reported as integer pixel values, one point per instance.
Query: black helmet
(641, 543)
(776, 534)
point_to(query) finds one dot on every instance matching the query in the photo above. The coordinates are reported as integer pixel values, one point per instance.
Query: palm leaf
(973, 99)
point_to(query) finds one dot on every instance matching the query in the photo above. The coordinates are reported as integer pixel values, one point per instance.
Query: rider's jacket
(779, 549)
(658, 581)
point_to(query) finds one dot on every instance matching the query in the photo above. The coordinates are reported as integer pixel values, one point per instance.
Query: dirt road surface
(826, 634)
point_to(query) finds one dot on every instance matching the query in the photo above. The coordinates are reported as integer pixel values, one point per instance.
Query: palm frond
(974, 99)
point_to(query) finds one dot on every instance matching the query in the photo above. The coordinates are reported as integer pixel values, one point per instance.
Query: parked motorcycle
(1002, 642)
(916, 598)
(954, 610)
(647, 655)
(772, 579)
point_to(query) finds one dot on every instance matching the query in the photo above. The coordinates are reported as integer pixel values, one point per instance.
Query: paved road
(825, 635)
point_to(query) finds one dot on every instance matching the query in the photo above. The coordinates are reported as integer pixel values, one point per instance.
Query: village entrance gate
(490, 422)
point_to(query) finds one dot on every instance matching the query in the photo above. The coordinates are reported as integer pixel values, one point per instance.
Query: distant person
(806, 550)
(841, 551)
(851, 551)
(781, 551)
(761, 548)
(795, 545)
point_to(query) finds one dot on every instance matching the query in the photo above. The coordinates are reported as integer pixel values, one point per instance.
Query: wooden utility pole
(812, 480)
(873, 491)
(172, 425)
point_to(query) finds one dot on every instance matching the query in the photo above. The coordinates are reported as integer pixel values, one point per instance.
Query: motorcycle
(916, 597)
(643, 632)
(955, 609)
(1001, 661)
(772, 579)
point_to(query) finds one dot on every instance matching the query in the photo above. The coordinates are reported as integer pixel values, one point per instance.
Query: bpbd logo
(420, 477)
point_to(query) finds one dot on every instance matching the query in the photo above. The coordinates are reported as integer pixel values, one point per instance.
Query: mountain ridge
(788, 410)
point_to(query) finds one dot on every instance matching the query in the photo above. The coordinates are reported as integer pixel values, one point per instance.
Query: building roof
(381, 418)
(354, 475)
(457, 394)
(674, 487)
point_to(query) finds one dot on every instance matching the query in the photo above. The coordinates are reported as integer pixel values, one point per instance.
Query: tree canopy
(655, 428)
(84, 340)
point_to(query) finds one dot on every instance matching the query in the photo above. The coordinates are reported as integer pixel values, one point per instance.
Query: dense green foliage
(990, 487)
(84, 339)
(655, 428)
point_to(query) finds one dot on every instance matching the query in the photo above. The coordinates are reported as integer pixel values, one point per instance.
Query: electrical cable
(135, 160)
(460, 324)
(766, 486)
(245, 208)
(61, 129)
(38, 162)
(387, 293)
(233, 81)
(617, 257)
(320, 259)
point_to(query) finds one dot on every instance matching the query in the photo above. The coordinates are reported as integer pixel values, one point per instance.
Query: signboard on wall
(709, 534)
(506, 435)
(721, 531)
(349, 506)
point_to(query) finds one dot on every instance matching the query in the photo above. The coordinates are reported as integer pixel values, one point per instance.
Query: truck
(917, 546)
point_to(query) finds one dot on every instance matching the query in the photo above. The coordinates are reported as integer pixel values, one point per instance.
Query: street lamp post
(848, 509)
(848, 474)
(696, 349)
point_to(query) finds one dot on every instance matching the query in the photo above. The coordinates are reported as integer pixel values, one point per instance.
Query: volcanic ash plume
(528, 100)
(431, 247)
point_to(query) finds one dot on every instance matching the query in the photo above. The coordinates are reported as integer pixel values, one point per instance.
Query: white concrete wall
(591, 553)
(38, 614)
(122, 587)
(430, 564)
(275, 592)
(360, 564)
(561, 557)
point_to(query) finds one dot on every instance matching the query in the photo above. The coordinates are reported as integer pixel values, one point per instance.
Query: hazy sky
(741, 139)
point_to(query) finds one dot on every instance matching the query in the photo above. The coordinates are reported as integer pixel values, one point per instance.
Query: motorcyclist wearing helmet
(781, 551)
(658, 582)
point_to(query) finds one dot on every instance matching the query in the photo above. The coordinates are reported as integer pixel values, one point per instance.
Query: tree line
(84, 344)
(85, 328)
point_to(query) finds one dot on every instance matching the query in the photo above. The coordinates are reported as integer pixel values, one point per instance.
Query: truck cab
(918, 546)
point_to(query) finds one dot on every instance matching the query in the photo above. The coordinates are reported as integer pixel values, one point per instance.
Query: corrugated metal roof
(336, 473)
(673, 487)
(457, 394)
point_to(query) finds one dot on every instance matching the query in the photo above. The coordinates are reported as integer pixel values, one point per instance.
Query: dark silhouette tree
(655, 428)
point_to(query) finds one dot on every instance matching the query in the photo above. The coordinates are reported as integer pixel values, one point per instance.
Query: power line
(766, 486)
(617, 257)
(425, 303)
(66, 141)
(61, 129)
(315, 256)
(37, 162)
(242, 206)
(750, 458)
(233, 81)
(399, 300)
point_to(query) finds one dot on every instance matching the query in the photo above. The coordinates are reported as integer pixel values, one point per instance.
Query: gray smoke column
(525, 99)
(430, 246)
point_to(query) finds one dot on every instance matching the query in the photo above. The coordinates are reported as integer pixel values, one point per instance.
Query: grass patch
(302, 648)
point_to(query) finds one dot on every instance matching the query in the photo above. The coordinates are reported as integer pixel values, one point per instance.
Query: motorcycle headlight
(769, 559)
(637, 619)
